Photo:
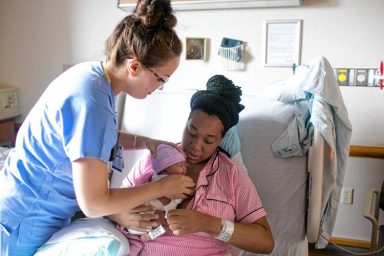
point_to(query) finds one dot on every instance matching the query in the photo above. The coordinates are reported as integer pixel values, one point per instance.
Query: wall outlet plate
(9, 102)
(347, 195)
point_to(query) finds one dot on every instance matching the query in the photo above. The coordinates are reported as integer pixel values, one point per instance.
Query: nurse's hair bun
(155, 13)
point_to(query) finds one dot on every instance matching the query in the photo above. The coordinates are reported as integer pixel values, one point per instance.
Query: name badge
(118, 161)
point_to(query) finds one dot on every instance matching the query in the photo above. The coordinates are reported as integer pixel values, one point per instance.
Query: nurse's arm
(131, 141)
(95, 198)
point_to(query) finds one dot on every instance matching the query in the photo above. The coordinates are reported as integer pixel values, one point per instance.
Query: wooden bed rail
(366, 151)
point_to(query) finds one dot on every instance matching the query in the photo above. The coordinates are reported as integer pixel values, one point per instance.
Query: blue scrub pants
(9, 247)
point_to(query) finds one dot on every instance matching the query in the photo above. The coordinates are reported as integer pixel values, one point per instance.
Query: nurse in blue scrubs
(60, 162)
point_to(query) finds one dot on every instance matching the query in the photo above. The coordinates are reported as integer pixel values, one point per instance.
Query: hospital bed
(291, 188)
(282, 183)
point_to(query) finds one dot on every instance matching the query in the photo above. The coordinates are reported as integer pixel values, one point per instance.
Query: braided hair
(221, 98)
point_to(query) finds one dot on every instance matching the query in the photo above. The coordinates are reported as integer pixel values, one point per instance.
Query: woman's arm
(255, 237)
(95, 198)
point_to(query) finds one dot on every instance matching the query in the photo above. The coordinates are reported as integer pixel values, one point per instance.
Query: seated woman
(225, 209)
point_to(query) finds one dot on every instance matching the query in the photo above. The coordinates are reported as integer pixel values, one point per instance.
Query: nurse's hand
(152, 144)
(161, 221)
(177, 186)
(142, 218)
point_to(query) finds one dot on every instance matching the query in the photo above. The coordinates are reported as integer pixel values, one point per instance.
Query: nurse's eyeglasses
(159, 78)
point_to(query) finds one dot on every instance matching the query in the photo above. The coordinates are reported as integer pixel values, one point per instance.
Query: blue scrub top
(73, 119)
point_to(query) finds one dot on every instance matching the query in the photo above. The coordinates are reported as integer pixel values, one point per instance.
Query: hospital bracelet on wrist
(227, 228)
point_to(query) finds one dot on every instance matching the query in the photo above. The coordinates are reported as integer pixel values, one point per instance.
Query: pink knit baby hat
(165, 157)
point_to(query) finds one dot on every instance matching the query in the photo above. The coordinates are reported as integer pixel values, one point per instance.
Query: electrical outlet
(1, 104)
(347, 196)
(12, 100)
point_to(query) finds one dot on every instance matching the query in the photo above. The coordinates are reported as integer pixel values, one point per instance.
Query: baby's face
(178, 168)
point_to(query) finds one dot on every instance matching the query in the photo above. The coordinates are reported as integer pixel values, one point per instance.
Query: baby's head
(168, 159)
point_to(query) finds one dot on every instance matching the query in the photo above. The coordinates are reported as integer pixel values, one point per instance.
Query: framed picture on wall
(196, 48)
(282, 44)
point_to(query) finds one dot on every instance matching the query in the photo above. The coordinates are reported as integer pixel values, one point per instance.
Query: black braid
(220, 85)
(222, 98)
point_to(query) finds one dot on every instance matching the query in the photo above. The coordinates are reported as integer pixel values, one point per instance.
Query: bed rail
(372, 201)
(315, 170)
(315, 186)
(366, 151)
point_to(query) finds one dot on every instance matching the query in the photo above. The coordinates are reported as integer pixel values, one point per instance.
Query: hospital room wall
(39, 37)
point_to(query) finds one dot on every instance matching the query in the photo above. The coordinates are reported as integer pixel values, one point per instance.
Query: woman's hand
(254, 237)
(186, 221)
(177, 186)
(142, 218)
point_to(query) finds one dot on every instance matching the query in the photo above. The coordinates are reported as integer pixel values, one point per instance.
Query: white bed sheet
(280, 182)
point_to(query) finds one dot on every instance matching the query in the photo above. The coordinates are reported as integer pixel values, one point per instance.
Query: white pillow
(231, 143)
(86, 237)
(238, 159)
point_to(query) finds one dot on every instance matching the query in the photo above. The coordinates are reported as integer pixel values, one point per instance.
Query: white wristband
(227, 228)
(156, 232)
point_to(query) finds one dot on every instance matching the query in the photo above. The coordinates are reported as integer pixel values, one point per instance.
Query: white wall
(38, 37)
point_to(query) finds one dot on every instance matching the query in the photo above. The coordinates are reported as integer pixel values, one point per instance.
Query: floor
(333, 250)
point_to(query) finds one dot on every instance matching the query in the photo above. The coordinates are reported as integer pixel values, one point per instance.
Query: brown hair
(146, 35)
